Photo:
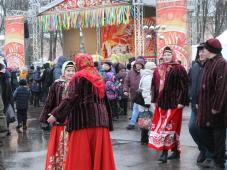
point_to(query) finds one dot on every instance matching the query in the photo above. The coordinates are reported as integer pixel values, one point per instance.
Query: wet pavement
(26, 150)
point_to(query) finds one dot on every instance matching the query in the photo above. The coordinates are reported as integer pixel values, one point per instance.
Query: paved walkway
(26, 151)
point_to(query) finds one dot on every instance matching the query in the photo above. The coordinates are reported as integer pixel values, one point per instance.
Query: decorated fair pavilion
(89, 16)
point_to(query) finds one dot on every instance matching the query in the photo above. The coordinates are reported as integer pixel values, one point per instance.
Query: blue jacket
(21, 97)
(195, 77)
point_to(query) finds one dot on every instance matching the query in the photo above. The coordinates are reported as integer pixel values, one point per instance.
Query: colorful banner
(91, 17)
(172, 14)
(119, 39)
(14, 41)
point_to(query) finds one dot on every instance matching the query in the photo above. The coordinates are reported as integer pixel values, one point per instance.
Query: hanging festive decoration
(93, 17)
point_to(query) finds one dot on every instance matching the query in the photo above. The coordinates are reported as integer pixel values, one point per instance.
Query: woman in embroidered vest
(89, 121)
(56, 151)
(169, 93)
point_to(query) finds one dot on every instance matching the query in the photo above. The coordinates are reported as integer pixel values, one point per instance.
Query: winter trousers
(199, 136)
(124, 105)
(114, 108)
(215, 142)
(22, 117)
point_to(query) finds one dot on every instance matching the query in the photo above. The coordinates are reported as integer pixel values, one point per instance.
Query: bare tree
(220, 16)
(204, 16)
(51, 45)
(2, 14)
(210, 18)
(61, 39)
(55, 44)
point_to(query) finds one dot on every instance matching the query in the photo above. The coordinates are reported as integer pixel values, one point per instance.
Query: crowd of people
(83, 99)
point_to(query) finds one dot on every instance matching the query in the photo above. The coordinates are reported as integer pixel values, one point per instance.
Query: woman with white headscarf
(56, 152)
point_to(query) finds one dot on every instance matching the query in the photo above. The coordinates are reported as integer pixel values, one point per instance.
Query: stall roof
(64, 15)
(56, 3)
(62, 5)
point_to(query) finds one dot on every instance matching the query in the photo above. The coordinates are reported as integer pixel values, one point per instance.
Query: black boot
(175, 154)
(163, 157)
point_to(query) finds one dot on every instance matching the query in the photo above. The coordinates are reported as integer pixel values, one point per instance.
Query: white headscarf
(64, 66)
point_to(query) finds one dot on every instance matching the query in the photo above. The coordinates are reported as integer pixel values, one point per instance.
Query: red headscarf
(165, 67)
(86, 69)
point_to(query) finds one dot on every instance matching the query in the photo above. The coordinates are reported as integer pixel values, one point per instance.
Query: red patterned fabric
(165, 130)
(90, 149)
(56, 152)
(86, 69)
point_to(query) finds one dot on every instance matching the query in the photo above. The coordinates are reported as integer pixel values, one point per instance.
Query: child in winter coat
(112, 93)
(21, 97)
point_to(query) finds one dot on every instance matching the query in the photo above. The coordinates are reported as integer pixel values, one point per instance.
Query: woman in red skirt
(56, 151)
(169, 92)
(89, 119)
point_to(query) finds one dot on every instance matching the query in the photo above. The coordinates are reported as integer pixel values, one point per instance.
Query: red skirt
(90, 149)
(165, 130)
(56, 153)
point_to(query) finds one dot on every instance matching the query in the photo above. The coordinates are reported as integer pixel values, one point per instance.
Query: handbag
(138, 99)
(10, 114)
(144, 120)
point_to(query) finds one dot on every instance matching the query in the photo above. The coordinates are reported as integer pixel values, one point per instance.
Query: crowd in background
(166, 89)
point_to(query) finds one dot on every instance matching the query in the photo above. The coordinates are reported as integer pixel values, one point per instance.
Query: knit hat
(108, 63)
(213, 45)
(140, 61)
(150, 65)
(22, 82)
(67, 64)
(201, 46)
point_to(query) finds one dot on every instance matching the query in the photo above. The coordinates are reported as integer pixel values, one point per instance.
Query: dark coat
(83, 108)
(175, 89)
(21, 97)
(195, 77)
(213, 93)
(7, 95)
(45, 79)
(53, 100)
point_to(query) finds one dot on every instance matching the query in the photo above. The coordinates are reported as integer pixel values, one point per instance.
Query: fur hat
(213, 45)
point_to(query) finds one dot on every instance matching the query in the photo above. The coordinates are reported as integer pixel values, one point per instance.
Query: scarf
(86, 69)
